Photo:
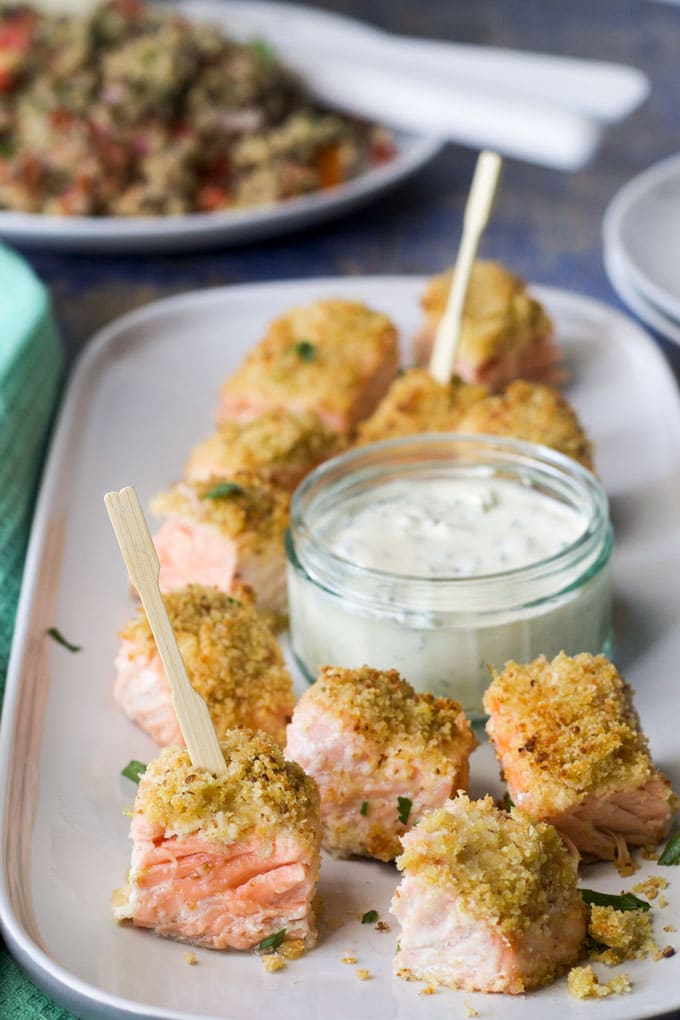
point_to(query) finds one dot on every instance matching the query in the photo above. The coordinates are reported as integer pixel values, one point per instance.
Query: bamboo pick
(477, 210)
(139, 554)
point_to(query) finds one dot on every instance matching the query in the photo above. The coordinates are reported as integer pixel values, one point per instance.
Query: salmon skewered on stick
(232, 658)
(480, 200)
(228, 861)
(334, 359)
(505, 333)
(573, 753)
(226, 837)
(433, 401)
(488, 901)
(481, 323)
(380, 753)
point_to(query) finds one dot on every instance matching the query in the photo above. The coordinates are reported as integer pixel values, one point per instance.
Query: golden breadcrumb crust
(573, 725)
(534, 412)
(383, 707)
(499, 316)
(583, 983)
(276, 445)
(261, 794)
(623, 934)
(253, 510)
(415, 402)
(322, 351)
(232, 658)
(502, 867)
(652, 885)
(273, 963)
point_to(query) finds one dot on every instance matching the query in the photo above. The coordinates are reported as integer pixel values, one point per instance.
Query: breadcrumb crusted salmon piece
(333, 358)
(223, 534)
(572, 752)
(505, 333)
(224, 862)
(232, 658)
(415, 402)
(380, 753)
(534, 412)
(488, 901)
(279, 446)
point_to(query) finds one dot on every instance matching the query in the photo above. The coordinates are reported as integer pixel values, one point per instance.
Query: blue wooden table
(546, 225)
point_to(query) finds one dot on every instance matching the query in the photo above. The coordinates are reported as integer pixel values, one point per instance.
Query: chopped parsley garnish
(363, 810)
(507, 803)
(305, 350)
(272, 942)
(60, 639)
(262, 51)
(626, 901)
(223, 490)
(403, 809)
(671, 852)
(134, 770)
(370, 917)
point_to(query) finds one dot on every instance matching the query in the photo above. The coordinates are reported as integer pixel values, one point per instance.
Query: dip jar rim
(479, 456)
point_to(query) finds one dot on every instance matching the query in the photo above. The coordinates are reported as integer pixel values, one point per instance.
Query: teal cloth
(30, 371)
(31, 363)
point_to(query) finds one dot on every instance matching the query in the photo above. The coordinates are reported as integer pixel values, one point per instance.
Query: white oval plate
(143, 393)
(642, 227)
(134, 235)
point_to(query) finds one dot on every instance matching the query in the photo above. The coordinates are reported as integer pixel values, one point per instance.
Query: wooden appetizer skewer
(139, 554)
(477, 210)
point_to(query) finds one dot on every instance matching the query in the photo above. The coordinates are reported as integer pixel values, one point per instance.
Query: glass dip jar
(387, 566)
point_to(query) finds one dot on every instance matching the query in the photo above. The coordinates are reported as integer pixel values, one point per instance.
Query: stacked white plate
(642, 246)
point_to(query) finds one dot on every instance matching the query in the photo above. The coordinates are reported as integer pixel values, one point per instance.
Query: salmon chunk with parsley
(334, 358)
(224, 534)
(232, 658)
(224, 862)
(279, 446)
(380, 753)
(533, 412)
(416, 402)
(505, 333)
(572, 751)
(488, 901)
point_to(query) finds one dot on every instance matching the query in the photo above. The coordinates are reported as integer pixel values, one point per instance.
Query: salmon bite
(572, 751)
(334, 358)
(280, 447)
(505, 333)
(380, 753)
(224, 862)
(232, 659)
(488, 901)
(224, 533)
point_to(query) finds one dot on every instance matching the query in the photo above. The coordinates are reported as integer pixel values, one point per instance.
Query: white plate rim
(621, 281)
(612, 230)
(55, 979)
(172, 233)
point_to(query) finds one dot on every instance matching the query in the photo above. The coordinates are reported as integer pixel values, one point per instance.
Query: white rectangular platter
(143, 393)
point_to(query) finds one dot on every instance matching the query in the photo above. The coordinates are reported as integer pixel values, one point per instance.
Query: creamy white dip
(449, 527)
(443, 568)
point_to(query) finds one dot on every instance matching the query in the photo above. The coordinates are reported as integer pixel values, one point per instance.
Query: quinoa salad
(133, 111)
